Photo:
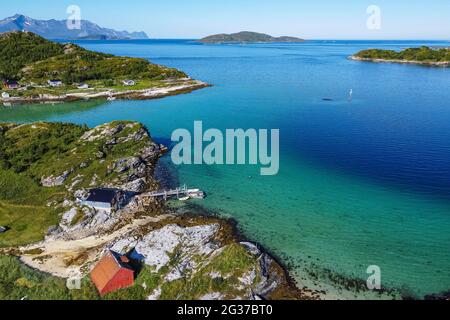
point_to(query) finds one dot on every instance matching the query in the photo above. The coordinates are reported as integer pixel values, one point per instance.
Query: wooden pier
(180, 193)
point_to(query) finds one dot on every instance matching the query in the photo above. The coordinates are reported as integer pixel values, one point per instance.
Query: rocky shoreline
(188, 86)
(187, 252)
(189, 256)
(422, 63)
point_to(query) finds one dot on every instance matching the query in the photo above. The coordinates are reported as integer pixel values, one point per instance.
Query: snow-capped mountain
(57, 29)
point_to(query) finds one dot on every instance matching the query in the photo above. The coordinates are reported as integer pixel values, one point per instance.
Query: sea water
(363, 181)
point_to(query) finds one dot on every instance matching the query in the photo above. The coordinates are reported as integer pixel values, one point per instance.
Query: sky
(309, 19)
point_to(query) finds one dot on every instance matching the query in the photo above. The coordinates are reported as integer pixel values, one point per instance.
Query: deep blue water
(398, 119)
(361, 182)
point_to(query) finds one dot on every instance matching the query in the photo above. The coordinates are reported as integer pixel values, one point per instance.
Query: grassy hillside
(23, 202)
(109, 155)
(30, 58)
(32, 151)
(422, 54)
(18, 280)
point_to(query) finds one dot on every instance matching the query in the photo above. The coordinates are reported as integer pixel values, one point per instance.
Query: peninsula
(72, 197)
(248, 37)
(438, 57)
(33, 69)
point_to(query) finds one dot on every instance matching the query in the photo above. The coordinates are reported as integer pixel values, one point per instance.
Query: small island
(438, 57)
(248, 37)
(33, 69)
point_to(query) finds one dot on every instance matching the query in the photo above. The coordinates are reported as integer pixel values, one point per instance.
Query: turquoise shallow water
(361, 183)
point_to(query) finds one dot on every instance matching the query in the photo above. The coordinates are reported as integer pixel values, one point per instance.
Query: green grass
(28, 224)
(23, 209)
(234, 259)
(95, 87)
(146, 282)
(422, 54)
(32, 59)
(232, 263)
(18, 281)
(32, 151)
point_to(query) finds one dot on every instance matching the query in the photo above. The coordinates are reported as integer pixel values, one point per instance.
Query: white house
(129, 83)
(105, 199)
(83, 86)
(5, 95)
(54, 83)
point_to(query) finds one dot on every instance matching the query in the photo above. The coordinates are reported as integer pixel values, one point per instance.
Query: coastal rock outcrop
(53, 181)
(180, 255)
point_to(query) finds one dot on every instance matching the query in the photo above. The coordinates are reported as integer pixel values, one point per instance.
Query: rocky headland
(184, 255)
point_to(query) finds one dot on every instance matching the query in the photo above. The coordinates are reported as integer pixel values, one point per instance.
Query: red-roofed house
(11, 84)
(113, 272)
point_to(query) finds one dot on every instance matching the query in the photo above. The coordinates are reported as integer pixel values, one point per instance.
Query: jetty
(182, 193)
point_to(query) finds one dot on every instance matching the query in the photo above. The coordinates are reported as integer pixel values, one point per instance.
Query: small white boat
(198, 195)
(111, 98)
(184, 198)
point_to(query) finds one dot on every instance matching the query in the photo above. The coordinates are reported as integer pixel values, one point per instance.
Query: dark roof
(122, 260)
(102, 195)
(9, 82)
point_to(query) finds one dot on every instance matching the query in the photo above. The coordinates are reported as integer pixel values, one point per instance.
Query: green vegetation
(33, 60)
(28, 57)
(20, 49)
(247, 37)
(17, 281)
(233, 262)
(32, 151)
(421, 55)
(22, 147)
(23, 202)
(230, 265)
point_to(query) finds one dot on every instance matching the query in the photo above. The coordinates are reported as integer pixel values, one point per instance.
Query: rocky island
(437, 57)
(248, 37)
(48, 171)
(33, 69)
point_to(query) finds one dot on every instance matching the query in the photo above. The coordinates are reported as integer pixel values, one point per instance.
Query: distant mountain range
(247, 37)
(57, 29)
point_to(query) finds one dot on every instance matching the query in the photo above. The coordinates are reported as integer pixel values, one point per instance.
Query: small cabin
(129, 83)
(113, 272)
(54, 83)
(105, 199)
(10, 85)
(83, 86)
